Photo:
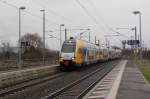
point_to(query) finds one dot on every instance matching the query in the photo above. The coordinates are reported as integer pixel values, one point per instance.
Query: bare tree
(32, 45)
(32, 40)
(6, 50)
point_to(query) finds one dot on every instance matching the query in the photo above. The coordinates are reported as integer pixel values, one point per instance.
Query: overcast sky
(101, 16)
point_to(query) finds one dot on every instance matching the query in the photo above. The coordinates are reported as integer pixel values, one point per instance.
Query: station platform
(125, 81)
(27, 68)
(133, 84)
(11, 77)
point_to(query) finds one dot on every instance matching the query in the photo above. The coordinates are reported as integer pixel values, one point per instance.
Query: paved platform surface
(133, 85)
(107, 88)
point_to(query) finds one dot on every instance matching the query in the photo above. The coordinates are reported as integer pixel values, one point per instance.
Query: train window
(68, 48)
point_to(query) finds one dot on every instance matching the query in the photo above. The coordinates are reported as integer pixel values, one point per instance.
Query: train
(77, 53)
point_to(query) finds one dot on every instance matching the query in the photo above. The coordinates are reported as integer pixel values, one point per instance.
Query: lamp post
(134, 29)
(95, 40)
(139, 13)
(89, 35)
(61, 25)
(19, 50)
(65, 34)
(43, 11)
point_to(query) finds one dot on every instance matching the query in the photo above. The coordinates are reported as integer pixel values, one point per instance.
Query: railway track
(78, 88)
(53, 86)
(12, 89)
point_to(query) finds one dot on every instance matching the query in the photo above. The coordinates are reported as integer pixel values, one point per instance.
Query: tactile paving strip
(102, 89)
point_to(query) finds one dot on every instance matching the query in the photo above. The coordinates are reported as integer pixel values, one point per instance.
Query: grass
(144, 66)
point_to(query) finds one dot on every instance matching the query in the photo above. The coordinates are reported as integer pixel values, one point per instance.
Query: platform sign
(133, 42)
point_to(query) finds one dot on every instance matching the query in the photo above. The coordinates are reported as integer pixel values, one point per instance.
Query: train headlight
(73, 59)
(61, 59)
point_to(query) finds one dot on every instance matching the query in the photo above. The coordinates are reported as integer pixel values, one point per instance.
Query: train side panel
(83, 53)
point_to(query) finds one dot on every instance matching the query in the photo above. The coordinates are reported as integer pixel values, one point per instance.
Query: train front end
(67, 55)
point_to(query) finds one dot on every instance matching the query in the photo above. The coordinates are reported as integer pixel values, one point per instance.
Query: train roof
(75, 40)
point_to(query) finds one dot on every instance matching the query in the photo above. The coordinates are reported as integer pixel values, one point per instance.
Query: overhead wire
(89, 14)
(56, 14)
(100, 17)
(14, 6)
(121, 34)
(53, 12)
(106, 25)
(81, 5)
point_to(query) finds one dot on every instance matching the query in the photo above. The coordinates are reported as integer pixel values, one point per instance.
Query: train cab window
(68, 48)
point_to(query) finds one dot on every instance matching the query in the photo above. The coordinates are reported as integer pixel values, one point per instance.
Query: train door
(84, 51)
(88, 56)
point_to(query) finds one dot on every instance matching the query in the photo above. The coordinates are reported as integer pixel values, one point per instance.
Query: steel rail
(93, 84)
(59, 91)
(21, 86)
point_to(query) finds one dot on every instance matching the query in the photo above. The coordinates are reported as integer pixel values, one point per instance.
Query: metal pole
(65, 34)
(43, 36)
(89, 37)
(19, 50)
(60, 36)
(95, 39)
(98, 42)
(143, 46)
(108, 48)
(132, 38)
(139, 42)
(60, 42)
(140, 36)
(135, 44)
(135, 33)
(106, 42)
